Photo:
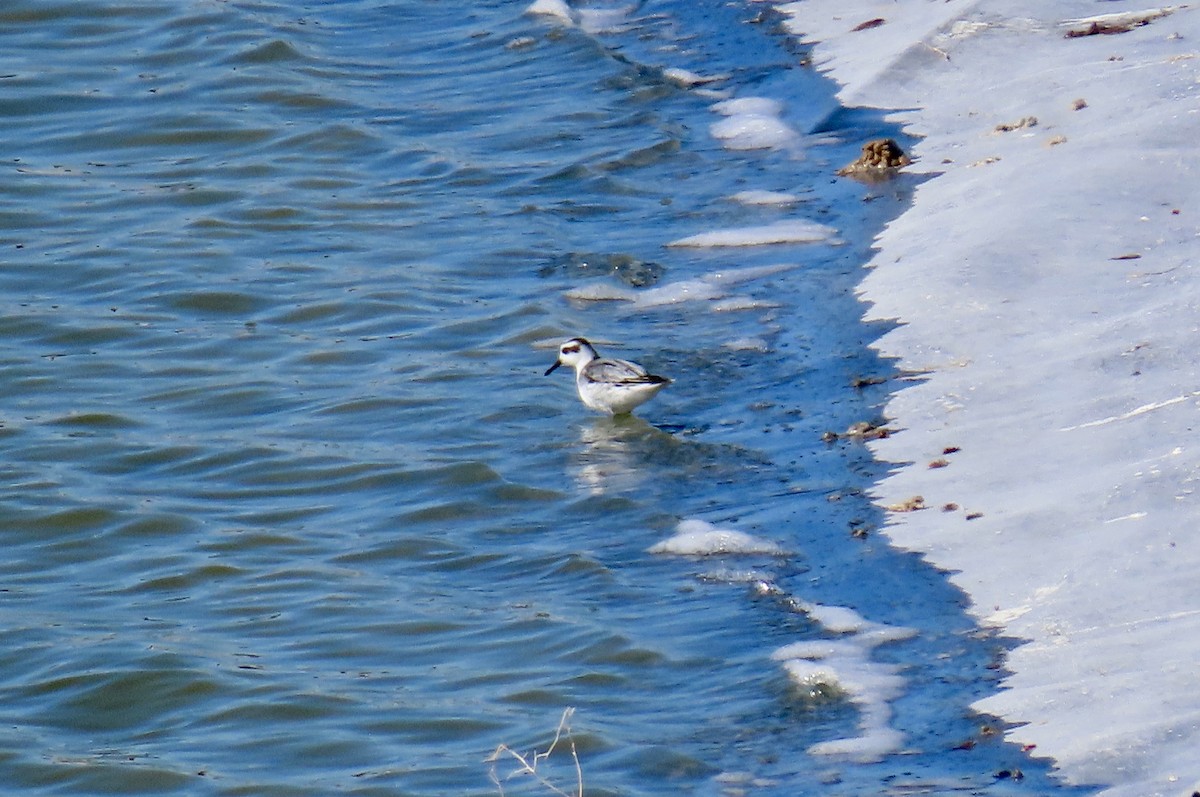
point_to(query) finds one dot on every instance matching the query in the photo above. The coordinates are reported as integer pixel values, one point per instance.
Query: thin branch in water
(529, 764)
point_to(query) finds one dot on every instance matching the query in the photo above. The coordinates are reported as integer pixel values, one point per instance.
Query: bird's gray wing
(618, 372)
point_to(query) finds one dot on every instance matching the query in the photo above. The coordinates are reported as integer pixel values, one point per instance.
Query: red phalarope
(606, 385)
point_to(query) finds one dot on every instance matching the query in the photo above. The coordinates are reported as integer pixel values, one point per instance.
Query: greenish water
(287, 506)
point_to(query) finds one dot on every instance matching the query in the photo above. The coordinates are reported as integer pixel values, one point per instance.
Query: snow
(1063, 368)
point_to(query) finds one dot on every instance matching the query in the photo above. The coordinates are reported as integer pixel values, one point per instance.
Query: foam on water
(711, 288)
(764, 197)
(557, 9)
(842, 663)
(742, 303)
(687, 78)
(790, 231)
(604, 20)
(753, 123)
(695, 537)
(838, 665)
(747, 344)
(592, 20)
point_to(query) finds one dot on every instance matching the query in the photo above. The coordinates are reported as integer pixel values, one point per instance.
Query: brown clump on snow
(879, 157)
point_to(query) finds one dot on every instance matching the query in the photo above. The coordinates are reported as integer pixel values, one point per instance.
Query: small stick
(528, 768)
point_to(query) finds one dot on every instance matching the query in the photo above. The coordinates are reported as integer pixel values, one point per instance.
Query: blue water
(288, 507)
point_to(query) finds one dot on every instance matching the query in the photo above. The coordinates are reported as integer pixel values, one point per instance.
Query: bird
(606, 385)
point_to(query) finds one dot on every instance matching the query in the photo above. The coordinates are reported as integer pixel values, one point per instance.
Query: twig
(529, 765)
(939, 51)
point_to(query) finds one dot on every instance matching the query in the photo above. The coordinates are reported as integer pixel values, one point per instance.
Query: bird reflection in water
(616, 452)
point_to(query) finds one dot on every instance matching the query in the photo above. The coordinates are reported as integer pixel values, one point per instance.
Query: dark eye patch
(570, 349)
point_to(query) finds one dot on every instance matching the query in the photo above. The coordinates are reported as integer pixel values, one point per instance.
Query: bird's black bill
(551, 368)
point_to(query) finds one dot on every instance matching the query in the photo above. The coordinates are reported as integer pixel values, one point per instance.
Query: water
(288, 506)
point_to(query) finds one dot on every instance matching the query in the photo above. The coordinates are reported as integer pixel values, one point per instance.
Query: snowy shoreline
(1045, 284)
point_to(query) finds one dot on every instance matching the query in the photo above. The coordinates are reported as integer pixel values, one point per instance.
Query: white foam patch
(603, 20)
(747, 344)
(671, 293)
(843, 666)
(733, 276)
(699, 538)
(838, 619)
(709, 288)
(736, 783)
(552, 8)
(688, 79)
(740, 303)
(590, 20)
(753, 123)
(749, 106)
(765, 198)
(753, 132)
(727, 575)
(676, 292)
(792, 231)
(837, 665)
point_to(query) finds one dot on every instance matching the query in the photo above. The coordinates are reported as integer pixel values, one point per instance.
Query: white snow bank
(695, 537)
(1046, 280)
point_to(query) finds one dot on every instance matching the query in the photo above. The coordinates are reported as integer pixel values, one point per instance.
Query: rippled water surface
(288, 506)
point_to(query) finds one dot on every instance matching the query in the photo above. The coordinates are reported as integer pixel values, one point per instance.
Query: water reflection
(625, 454)
(615, 451)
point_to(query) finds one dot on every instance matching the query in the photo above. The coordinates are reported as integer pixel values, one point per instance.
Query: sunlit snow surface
(1045, 283)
